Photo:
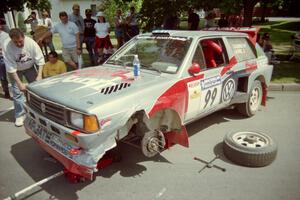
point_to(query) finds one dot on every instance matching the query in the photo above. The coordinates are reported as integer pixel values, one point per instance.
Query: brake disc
(153, 142)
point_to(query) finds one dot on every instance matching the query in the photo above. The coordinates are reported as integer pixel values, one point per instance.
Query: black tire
(250, 149)
(248, 109)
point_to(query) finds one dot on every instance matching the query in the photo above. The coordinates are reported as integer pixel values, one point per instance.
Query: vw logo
(43, 107)
(228, 90)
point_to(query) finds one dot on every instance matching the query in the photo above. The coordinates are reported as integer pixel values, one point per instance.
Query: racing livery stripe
(176, 97)
(251, 67)
(232, 62)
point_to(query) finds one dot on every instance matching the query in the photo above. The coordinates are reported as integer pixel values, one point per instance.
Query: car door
(217, 86)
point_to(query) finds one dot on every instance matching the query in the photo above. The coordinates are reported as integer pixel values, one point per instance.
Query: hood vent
(114, 88)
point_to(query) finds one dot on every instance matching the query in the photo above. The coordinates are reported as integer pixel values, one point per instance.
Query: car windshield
(163, 54)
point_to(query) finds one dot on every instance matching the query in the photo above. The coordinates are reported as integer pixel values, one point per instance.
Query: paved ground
(173, 174)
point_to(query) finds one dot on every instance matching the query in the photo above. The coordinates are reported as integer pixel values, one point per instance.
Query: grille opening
(43, 122)
(54, 129)
(32, 115)
(52, 110)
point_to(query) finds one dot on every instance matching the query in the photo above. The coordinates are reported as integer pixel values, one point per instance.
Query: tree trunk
(264, 5)
(248, 11)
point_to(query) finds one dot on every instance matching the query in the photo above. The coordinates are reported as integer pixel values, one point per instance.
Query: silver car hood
(87, 88)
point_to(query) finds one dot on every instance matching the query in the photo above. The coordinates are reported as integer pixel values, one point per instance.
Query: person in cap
(33, 21)
(89, 35)
(4, 38)
(78, 20)
(70, 38)
(21, 55)
(48, 23)
(102, 38)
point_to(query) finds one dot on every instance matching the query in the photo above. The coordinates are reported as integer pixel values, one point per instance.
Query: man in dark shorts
(89, 35)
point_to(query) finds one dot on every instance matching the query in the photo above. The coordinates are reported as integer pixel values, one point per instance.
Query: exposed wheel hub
(153, 143)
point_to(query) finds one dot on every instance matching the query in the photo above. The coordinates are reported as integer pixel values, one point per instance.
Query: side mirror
(194, 69)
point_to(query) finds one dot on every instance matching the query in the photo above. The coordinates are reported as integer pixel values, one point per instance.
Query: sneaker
(20, 121)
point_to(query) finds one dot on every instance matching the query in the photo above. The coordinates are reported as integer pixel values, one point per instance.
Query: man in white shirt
(70, 38)
(4, 37)
(21, 53)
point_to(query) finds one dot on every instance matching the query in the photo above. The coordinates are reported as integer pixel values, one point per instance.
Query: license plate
(50, 138)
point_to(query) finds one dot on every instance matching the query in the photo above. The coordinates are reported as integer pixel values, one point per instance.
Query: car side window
(214, 52)
(199, 58)
(242, 48)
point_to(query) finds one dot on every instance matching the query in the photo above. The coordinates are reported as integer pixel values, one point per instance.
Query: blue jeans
(90, 43)
(18, 96)
(4, 82)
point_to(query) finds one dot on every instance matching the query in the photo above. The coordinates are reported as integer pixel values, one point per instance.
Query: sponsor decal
(228, 90)
(193, 84)
(105, 122)
(195, 94)
(210, 82)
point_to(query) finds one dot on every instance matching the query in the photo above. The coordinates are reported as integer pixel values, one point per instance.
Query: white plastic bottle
(136, 66)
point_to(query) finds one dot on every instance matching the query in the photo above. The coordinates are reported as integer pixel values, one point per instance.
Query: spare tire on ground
(249, 148)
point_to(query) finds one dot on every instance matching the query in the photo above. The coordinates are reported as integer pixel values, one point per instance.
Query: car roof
(196, 34)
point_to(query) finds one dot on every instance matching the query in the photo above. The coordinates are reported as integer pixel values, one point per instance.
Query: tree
(153, 12)
(39, 5)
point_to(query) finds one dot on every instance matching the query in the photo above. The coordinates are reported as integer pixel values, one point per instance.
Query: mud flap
(177, 138)
(264, 96)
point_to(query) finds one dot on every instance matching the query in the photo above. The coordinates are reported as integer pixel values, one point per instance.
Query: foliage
(110, 7)
(153, 12)
(21, 24)
(39, 5)
(6, 5)
(18, 5)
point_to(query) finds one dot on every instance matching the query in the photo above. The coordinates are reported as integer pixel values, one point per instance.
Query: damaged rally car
(184, 75)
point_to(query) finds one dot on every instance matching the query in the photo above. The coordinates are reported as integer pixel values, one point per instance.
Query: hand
(22, 87)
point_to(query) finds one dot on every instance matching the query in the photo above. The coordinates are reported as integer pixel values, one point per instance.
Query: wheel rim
(254, 99)
(250, 139)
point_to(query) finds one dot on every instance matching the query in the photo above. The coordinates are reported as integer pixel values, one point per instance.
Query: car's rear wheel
(254, 101)
(249, 148)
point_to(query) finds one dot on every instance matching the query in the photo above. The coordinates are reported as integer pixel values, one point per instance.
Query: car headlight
(87, 123)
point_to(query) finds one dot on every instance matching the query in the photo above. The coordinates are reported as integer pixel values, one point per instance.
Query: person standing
(102, 38)
(119, 28)
(89, 35)
(133, 28)
(193, 20)
(21, 53)
(4, 37)
(69, 35)
(54, 66)
(76, 18)
(33, 21)
(223, 21)
(48, 23)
